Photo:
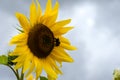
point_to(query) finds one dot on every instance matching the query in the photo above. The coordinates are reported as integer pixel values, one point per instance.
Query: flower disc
(40, 40)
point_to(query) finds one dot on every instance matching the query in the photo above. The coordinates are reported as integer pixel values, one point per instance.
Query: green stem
(22, 75)
(16, 74)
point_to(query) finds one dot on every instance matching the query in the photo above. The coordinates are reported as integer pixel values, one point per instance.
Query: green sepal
(3, 60)
(43, 78)
(20, 30)
(10, 58)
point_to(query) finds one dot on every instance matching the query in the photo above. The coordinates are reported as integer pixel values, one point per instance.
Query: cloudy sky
(96, 35)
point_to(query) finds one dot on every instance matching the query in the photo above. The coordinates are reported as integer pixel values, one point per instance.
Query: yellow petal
(49, 70)
(31, 68)
(48, 11)
(33, 13)
(55, 9)
(20, 58)
(39, 10)
(48, 7)
(60, 24)
(26, 65)
(50, 15)
(23, 22)
(38, 66)
(53, 15)
(43, 19)
(60, 56)
(53, 63)
(63, 31)
(20, 49)
(50, 78)
(62, 50)
(18, 65)
(64, 40)
(27, 61)
(58, 59)
(38, 70)
(62, 53)
(13, 54)
(68, 47)
(30, 77)
(17, 39)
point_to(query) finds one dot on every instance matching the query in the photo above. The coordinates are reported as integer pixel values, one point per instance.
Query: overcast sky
(96, 35)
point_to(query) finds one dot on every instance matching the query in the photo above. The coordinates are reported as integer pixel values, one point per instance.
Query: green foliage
(3, 60)
(43, 78)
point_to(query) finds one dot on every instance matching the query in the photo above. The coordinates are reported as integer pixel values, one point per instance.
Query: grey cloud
(101, 42)
(23, 5)
(110, 12)
(13, 6)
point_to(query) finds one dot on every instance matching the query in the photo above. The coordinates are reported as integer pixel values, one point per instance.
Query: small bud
(116, 74)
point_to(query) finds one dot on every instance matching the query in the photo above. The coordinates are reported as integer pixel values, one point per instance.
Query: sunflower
(41, 44)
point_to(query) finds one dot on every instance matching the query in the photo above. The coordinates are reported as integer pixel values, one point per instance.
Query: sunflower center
(40, 40)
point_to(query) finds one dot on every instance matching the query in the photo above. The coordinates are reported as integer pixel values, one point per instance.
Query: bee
(57, 41)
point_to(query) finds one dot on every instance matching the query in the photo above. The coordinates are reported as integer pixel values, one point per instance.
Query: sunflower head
(41, 44)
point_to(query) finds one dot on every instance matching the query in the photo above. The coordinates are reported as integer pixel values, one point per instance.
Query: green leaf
(43, 78)
(3, 59)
